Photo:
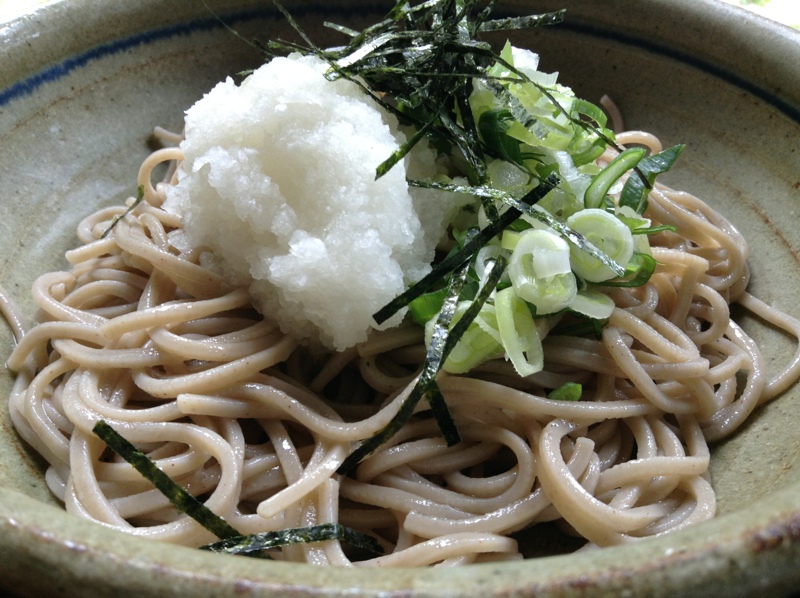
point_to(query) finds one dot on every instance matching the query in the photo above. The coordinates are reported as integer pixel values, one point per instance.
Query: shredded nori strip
(467, 252)
(442, 343)
(420, 63)
(424, 57)
(511, 23)
(441, 412)
(433, 361)
(523, 206)
(178, 497)
(255, 544)
(231, 540)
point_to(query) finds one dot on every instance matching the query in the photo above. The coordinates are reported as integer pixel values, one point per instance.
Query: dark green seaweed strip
(178, 497)
(520, 207)
(402, 151)
(433, 392)
(340, 28)
(436, 354)
(290, 19)
(253, 544)
(232, 541)
(441, 330)
(437, 357)
(400, 419)
(526, 22)
(442, 343)
(441, 413)
(495, 271)
(470, 248)
(433, 362)
(424, 56)
(562, 229)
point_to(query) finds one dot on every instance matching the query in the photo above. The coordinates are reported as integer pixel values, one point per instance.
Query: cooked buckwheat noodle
(143, 336)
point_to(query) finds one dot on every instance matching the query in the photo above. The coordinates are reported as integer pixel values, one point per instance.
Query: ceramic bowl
(83, 82)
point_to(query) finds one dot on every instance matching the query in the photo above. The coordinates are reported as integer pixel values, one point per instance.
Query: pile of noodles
(142, 336)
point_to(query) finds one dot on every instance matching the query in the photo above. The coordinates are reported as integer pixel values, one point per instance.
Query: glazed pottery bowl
(83, 82)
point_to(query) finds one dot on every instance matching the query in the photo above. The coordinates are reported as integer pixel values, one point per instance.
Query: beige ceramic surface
(74, 125)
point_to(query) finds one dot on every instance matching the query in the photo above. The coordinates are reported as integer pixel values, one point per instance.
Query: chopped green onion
(518, 332)
(524, 206)
(581, 107)
(493, 126)
(638, 271)
(589, 146)
(582, 326)
(425, 307)
(592, 304)
(606, 232)
(652, 230)
(600, 186)
(471, 247)
(634, 193)
(631, 219)
(566, 232)
(510, 239)
(569, 391)
(479, 343)
(540, 271)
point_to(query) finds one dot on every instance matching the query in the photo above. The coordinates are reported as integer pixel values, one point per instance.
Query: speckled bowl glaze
(82, 83)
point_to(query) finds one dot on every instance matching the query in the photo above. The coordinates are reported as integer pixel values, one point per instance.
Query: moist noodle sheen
(175, 357)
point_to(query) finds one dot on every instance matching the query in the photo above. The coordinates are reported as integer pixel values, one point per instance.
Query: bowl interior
(75, 123)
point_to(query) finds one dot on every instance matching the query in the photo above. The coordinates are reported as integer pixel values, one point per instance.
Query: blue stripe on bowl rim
(52, 74)
(790, 110)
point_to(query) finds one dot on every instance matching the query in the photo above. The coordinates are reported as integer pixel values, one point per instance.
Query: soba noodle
(142, 336)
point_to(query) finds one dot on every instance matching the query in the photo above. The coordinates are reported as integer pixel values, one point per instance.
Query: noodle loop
(141, 334)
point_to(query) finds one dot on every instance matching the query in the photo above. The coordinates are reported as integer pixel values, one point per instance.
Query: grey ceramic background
(76, 109)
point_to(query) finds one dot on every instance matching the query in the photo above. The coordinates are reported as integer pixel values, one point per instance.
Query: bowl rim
(745, 550)
(27, 40)
(749, 549)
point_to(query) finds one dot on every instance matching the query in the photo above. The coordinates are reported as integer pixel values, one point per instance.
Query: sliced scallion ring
(606, 232)
(521, 340)
(479, 343)
(593, 304)
(540, 271)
